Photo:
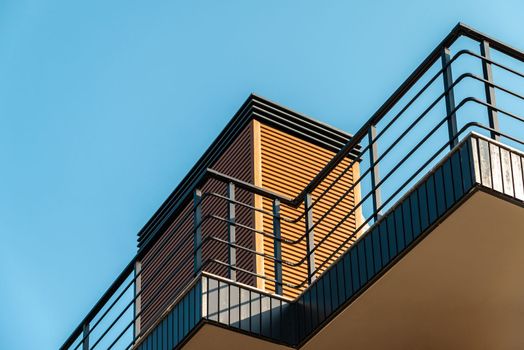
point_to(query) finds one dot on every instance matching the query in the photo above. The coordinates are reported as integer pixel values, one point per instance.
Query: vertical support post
(450, 97)
(197, 234)
(310, 239)
(85, 336)
(138, 301)
(375, 176)
(277, 246)
(231, 232)
(490, 89)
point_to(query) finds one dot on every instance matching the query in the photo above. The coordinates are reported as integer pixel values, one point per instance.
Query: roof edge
(258, 108)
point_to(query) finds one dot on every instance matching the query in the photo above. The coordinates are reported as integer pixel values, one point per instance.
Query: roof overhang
(460, 287)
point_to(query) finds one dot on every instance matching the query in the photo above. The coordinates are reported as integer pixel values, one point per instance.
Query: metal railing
(407, 135)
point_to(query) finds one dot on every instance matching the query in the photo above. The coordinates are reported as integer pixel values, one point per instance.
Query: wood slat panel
(288, 164)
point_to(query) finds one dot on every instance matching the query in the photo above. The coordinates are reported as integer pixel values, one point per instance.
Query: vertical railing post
(490, 89)
(277, 247)
(375, 176)
(231, 232)
(137, 305)
(450, 97)
(310, 239)
(85, 336)
(197, 234)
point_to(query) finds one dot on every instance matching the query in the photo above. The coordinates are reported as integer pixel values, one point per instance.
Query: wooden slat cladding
(164, 270)
(237, 161)
(287, 165)
(161, 283)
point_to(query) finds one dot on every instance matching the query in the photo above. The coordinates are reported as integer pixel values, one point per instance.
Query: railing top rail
(459, 30)
(101, 302)
(210, 173)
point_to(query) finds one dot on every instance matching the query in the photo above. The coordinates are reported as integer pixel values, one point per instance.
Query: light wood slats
(288, 165)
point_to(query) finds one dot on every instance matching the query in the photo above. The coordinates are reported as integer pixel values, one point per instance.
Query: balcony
(290, 233)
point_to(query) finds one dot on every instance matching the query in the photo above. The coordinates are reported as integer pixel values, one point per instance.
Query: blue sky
(105, 105)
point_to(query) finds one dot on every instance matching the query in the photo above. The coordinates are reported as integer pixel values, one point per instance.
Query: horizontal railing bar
(498, 87)
(245, 205)
(155, 274)
(87, 334)
(247, 186)
(152, 299)
(216, 261)
(237, 224)
(500, 133)
(249, 250)
(381, 112)
(101, 302)
(509, 114)
(495, 63)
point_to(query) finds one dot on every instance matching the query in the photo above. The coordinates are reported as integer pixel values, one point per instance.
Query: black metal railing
(410, 133)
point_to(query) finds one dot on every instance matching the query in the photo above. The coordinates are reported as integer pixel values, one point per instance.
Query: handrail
(210, 173)
(459, 30)
(122, 277)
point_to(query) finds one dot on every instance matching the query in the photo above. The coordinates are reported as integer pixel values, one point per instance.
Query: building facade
(289, 233)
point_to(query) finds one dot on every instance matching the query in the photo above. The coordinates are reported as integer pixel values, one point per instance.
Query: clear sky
(105, 105)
